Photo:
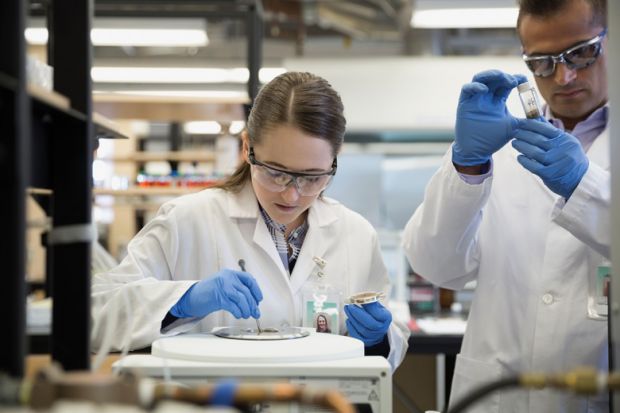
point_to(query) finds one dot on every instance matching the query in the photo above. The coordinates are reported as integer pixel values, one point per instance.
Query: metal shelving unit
(48, 144)
(14, 145)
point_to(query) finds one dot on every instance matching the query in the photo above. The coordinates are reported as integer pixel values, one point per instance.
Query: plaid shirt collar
(294, 241)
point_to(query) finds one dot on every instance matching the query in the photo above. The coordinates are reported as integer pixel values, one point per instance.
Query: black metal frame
(60, 158)
(14, 146)
(64, 150)
(50, 147)
(70, 171)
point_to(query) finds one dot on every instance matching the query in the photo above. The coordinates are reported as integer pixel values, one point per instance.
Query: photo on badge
(323, 318)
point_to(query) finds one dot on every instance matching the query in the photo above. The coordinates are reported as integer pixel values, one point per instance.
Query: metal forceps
(242, 266)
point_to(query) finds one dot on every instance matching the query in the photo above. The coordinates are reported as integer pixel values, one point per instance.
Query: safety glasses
(579, 56)
(277, 180)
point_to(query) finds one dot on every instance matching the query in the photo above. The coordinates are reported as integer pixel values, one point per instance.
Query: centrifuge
(296, 355)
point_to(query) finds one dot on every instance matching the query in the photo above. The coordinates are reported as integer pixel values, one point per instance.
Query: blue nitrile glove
(483, 123)
(554, 155)
(368, 323)
(234, 291)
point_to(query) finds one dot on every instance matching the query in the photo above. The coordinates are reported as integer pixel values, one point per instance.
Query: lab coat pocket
(470, 374)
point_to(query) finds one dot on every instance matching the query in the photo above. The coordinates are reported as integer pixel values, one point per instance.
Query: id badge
(598, 292)
(321, 302)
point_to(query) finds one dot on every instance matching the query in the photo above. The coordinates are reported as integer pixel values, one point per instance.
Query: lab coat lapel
(262, 238)
(245, 205)
(321, 236)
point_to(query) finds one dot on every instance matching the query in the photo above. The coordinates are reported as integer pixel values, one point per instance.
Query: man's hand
(483, 123)
(554, 155)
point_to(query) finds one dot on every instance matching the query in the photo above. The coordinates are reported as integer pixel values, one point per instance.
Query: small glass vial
(529, 100)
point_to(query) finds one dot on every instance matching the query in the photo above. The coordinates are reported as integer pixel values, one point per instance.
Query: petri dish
(366, 297)
(268, 333)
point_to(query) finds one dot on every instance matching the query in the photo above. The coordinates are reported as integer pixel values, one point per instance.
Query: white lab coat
(531, 255)
(197, 235)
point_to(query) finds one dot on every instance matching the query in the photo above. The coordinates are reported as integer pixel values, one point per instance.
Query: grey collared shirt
(294, 241)
(588, 129)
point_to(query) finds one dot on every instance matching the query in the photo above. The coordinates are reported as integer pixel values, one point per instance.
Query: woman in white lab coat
(182, 272)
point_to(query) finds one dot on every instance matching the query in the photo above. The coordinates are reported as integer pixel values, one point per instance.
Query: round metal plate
(269, 333)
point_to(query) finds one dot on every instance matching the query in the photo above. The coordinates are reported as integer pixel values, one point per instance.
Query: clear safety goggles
(579, 56)
(277, 180)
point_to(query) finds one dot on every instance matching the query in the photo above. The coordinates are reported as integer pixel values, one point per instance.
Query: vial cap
(525, 86)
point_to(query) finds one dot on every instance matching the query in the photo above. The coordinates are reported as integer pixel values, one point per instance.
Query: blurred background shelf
(108, 129)
(146, 191)
(179, 156)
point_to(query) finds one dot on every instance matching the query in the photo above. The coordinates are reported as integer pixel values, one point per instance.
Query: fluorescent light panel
(236, 126)
(465, 18)
(36, 35)
(136, 32)
(215, 94)
(208, 127)
(464, 14)
(109, 74)
(212, 127)
(149, 37)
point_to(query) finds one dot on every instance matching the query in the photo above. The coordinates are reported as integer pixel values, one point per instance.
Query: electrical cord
(581, 381)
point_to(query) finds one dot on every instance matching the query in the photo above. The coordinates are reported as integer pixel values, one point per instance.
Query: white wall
(405, 93)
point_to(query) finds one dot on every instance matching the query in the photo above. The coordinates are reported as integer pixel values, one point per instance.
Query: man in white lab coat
(529, 221)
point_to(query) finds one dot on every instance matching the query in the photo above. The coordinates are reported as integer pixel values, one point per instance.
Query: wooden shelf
(106, 128)
(51, 103)
(148, 191)
(48, 97)
(136, 97)
(39, 191)
(159, 111)
(180, 156)
(135, 203)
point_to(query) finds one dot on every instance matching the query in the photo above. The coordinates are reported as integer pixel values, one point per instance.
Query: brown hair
(547, 8)
(299, 99)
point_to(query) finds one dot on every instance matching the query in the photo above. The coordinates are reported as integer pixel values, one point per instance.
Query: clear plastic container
(529, 100)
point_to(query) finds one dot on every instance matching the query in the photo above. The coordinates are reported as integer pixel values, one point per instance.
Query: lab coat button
(547, 298)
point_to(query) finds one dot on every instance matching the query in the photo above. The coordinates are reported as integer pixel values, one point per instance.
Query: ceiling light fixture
(236, 126)
(447, 14)
(135, 32)
(109, 74)
(208, 127)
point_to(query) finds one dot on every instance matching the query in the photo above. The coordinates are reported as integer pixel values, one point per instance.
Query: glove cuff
(468, 160)
(382, 348)
(178, 310)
